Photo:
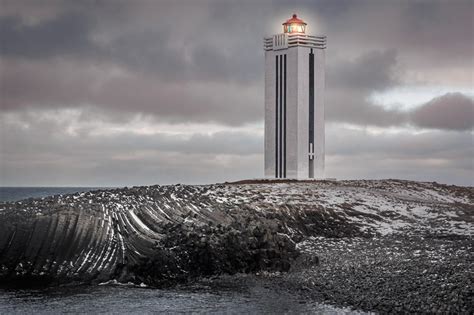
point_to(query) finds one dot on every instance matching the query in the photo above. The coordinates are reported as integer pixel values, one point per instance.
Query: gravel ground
(390, 274)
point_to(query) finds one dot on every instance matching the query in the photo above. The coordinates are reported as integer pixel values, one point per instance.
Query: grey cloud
(353, 107)
(159, 168)
(371, 71)
(434, 155)
(66, 85)
(425, 32)
(402, 145)
(41, 151)
(150, 52)
(66, 34)
(202, 61)
(158, 49)
(427, 26)
(52, 137)
(209, 40)
(451, 111)
(349, 84)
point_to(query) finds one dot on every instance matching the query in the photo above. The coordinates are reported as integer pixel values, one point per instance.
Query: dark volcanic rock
(237, 248)
(391, 246)
(101, 235)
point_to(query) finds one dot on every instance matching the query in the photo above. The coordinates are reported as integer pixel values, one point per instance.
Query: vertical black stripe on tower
(276, 116)
(311, 113)
(284, 116)
(281, 117)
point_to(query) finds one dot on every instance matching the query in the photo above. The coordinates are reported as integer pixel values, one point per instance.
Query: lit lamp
(294, 25)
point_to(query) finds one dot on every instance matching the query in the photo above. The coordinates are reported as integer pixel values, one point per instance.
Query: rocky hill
(353, 243)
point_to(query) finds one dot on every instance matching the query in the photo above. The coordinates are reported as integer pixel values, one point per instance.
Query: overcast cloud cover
(113, 93)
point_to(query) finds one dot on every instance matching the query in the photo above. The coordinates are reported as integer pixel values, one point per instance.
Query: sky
(122, 93)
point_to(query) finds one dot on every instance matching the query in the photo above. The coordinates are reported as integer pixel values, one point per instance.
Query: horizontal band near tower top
(284, 41)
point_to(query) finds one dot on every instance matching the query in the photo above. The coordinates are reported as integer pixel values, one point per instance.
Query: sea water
(127, 300)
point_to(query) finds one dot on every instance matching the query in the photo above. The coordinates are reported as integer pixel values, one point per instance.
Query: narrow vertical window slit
(276, 116)
(284, 117)
(311, 155)
(281, 119)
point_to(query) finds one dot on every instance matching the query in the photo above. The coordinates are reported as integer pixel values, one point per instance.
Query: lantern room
(294, 25)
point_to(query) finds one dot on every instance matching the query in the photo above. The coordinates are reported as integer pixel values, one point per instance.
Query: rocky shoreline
(390, 274)
(386, 246)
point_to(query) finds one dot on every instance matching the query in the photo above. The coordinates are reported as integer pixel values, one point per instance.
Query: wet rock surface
(389, 246)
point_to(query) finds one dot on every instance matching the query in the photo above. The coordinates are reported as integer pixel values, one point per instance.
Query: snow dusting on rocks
(373, 245)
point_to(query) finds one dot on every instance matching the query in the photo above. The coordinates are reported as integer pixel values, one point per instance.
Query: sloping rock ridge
(162, 235)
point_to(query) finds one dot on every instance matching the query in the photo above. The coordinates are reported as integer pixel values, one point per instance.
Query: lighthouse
(294, 103)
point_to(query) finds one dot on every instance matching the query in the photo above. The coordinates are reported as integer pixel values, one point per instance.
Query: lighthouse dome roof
(294, 20)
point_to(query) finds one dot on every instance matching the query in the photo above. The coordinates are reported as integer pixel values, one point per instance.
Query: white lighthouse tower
(294, 103)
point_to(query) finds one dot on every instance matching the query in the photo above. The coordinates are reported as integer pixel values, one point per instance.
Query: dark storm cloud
(64, 35)
(210, 53)
(148, 52)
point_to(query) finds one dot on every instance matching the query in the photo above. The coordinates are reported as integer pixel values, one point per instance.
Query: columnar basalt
(166, 234)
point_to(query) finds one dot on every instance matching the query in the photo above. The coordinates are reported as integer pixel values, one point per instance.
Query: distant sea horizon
(17, 193)
(20, 193)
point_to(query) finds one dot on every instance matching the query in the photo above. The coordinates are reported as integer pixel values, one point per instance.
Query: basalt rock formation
(162, 235)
